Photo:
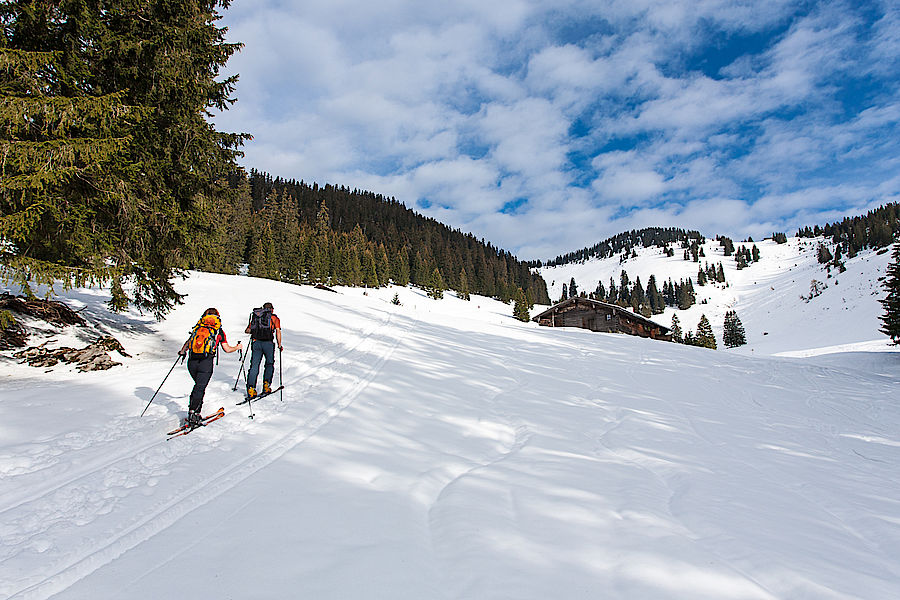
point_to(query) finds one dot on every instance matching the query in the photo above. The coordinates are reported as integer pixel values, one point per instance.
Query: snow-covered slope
(768, 296)
(441, 449)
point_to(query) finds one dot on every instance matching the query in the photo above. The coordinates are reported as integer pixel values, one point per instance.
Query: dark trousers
(201, 369)
(258, 349)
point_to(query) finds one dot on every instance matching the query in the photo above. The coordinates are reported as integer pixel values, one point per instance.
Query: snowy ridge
(442, 449)
(766, 295)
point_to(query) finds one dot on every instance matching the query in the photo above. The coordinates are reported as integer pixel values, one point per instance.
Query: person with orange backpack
(201, 348)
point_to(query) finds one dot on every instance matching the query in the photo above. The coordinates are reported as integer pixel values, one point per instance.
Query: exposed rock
(13, 333)
(48, 310)
(94, 357)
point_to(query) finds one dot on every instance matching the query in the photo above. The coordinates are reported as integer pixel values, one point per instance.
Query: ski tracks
(32, 520)
(451, 528)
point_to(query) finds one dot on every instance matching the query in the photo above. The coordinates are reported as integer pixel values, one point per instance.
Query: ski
(186, 429)
(258, 396)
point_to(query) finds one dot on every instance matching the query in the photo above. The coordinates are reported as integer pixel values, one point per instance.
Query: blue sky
(545, 127)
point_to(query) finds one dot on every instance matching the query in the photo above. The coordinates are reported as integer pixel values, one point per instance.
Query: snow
(767, 295)
(442, 449)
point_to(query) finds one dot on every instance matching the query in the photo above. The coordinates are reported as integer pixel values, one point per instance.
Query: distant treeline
(875, 229)
(625, 243)
(302, 233)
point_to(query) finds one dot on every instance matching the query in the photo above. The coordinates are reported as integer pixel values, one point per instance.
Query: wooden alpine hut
(601, 316)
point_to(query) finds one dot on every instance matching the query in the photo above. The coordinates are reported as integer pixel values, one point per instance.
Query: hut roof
(598, 304)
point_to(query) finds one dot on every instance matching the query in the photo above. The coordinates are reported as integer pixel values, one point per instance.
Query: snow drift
(441, 449)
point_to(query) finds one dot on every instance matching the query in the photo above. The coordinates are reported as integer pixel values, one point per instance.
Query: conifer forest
(112, 173)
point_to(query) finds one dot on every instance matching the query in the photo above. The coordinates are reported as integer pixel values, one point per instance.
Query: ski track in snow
(447, 523)
(31, 517)
(495, 459)
(44, 453)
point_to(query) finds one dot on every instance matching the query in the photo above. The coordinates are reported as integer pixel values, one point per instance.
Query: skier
(265, 330)
(203, 344)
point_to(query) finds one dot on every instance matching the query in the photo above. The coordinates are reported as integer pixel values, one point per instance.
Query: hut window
(609, 317)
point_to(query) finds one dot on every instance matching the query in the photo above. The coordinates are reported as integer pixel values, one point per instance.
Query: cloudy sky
(547, 126)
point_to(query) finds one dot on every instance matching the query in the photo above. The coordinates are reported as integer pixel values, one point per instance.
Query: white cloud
(600, 117)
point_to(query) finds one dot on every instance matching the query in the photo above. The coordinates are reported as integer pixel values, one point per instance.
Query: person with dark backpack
(265, 330)
(201, 347)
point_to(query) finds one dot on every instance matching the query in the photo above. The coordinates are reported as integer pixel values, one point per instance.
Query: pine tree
(676, 330)
(573, 289)
(369, 271)
(683, 296)
(463, 291)
(520, 308)
(110, 169)
(61, 154)
(401, 276)
(638, 300)
(705, 337)
(727, 245)
(891, 303)
(383, 266)
(263, 261)
(436, 285)
(657, 304)
(733, 334)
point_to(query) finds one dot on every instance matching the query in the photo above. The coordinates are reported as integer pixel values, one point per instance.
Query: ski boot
(194, 419)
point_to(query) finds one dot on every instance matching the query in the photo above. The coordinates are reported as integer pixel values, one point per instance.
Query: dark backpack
(261, 325)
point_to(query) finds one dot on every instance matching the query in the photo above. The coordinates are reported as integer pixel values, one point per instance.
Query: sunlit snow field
(441, 449)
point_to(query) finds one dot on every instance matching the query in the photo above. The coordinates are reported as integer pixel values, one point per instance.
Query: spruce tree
(263, 262)
(520, 308)
(683, 296)
(463, 291)
(676, 330)
(435, 285)
(62, 148)
(705, 336)
(110, 169)
(657, 304)
(401, 277)
(891, 303)
(383, 266)
(369, 270)
(733, 334)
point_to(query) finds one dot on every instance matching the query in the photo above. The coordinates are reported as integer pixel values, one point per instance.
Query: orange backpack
(205, 336)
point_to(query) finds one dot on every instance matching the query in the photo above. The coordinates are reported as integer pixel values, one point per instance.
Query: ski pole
(250, 405)
(280, 378)
(241, 370)
(161, 384)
